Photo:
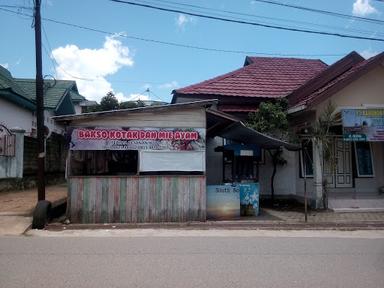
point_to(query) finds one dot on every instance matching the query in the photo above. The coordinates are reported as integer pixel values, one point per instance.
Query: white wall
(52, 125)
(368, 89)
(12, 116)
(371, 185)
(285, 183)
(77, 109)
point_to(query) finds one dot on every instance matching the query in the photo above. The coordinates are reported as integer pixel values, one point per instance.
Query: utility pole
(39, 105)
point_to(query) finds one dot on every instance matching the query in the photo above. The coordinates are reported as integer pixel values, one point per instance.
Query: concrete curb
(356, 210)
(235, 225)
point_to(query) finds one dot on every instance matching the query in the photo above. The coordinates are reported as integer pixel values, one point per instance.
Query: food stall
(137, 165)
(236, 192)
(240, 190)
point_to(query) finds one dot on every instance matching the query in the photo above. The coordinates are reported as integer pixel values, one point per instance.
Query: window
(103, 162)
(238, 168)
(306, 158)
(363, 156)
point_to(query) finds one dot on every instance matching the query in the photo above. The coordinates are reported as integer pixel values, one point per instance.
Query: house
(353, 85)
(17, 110)
(260, 79)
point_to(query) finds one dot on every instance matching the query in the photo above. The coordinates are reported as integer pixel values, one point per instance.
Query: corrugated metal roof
(11, 91)
(8, 82)
(54, 90)
(90, 115)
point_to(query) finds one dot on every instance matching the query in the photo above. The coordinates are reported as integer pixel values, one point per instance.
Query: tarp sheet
(240, 133)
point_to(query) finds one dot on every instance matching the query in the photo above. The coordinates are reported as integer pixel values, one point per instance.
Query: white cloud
(138, 96)
(120, 96)
(183, 20)
(132, 97)
(368, 53)
(92, 65)
(363, 8)
(5, 65)
(169, 85)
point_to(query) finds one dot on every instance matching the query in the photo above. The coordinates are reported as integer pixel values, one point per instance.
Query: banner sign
(249, 199)
(138, 139)
(223, 202)
(363, 124)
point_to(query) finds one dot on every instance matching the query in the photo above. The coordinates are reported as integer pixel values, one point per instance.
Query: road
(226, 259)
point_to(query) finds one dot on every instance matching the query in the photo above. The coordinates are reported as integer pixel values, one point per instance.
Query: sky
(123, 53)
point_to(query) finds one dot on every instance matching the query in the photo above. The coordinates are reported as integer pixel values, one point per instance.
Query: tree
(128, 104)
(320, 133)
(271, 119)
(109, 102)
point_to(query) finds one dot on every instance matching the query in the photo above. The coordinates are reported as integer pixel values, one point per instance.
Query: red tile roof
(262, 77)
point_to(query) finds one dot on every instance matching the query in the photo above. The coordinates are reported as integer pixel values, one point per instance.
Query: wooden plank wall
(184, 118)
(137, 199)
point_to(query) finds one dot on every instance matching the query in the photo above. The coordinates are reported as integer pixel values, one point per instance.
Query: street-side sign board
(122, 138)
(363, 124)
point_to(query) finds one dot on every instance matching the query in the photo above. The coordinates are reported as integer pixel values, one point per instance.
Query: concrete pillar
(19, 152)
(317, 175)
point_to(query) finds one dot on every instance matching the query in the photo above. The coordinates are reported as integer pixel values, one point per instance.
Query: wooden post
(305, 184)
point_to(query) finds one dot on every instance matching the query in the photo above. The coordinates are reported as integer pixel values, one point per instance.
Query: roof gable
(324, 77)
(342, 80)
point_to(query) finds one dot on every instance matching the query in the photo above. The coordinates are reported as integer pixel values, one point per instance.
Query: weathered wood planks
(137, 199)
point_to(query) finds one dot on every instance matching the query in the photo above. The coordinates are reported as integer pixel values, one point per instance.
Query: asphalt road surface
(224, 260)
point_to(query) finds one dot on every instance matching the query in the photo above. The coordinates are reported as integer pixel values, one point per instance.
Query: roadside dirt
(23, 202)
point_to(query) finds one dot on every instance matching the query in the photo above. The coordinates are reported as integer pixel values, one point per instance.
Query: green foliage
(128, 105)
(321, 129)
(320, 132)
(271, 118)
(94, 108)
(109, 102)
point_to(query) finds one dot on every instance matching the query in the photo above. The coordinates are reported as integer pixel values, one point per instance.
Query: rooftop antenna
(149, 93)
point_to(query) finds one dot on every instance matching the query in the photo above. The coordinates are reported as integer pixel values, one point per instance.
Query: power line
(261, 17)
(177, 44)
(17, 6)
(54, 62)
(326, 12)
(248, 22)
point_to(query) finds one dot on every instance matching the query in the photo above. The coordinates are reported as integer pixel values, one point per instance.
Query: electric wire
(263, 17)
(243, 52)
(325, 12)
(246, 22)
